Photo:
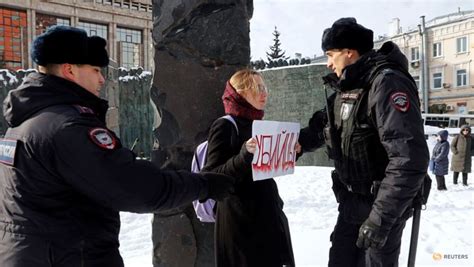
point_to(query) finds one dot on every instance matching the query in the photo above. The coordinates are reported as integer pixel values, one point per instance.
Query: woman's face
(258, 100)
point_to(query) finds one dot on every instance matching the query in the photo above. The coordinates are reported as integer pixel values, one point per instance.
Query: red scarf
(236, 105)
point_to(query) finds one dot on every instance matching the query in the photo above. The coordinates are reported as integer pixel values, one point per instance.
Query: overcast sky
(301, 22)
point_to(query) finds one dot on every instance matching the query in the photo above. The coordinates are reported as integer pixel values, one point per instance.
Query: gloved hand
(311, 137)
(220, 186)
(372, 235)
(318, 121)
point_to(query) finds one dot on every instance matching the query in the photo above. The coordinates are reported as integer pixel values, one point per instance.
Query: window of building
(417, 81)
(44, 22)
(415, 54)
(60, 21)
(437, 49)
(130, 47)
(13, 41)
(461, 44)
(129, 35)
(93, 29)
(437, 79)
(461, 77)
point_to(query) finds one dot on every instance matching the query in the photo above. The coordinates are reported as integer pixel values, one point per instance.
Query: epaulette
(386, 71)
(84, 110)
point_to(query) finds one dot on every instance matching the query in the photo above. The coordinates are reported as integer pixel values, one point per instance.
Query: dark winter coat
(439, 155)
(387, 140)
(461, 148)
(251, 228)
(60, 198)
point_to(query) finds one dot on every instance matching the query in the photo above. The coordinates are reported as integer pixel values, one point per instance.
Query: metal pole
(21, 48)
(424, 61)
(414, 236)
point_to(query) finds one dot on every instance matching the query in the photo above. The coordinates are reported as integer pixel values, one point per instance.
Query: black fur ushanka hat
(64, 44)
(346, 33)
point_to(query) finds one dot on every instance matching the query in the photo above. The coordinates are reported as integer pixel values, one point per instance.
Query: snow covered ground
(446, 224)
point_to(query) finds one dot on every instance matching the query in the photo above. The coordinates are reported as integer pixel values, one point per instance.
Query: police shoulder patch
(399, 101)
(7, 151)
(103, 138)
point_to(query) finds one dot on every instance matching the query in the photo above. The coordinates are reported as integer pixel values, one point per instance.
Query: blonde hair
(243, 81)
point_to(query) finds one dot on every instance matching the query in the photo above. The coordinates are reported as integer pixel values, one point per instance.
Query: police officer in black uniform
(373, 129)
(64, 176)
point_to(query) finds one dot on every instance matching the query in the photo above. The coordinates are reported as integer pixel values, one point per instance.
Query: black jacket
(251, 228)
(66, 190)
(398, 131)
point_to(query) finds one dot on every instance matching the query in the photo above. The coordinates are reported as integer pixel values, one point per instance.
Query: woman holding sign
(251, 228)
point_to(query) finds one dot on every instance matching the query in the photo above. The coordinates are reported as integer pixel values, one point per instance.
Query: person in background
(461, 158)
(439, 158)
(251, 227)
(64, 176)
(373, 129)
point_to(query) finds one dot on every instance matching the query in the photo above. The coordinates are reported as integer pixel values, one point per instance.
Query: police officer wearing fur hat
(373, 129)
(64, 176)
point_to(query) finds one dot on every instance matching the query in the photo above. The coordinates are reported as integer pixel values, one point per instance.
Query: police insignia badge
(400, 101)
(7, 151)
(346, 109)
(103, 138)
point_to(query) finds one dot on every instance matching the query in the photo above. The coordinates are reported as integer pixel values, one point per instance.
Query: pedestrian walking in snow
(461, 158)
(439, 159)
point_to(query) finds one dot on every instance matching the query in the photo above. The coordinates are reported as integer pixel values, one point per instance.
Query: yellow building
(125, 24)
(446, 81)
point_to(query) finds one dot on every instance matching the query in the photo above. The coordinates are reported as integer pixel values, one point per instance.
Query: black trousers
(464, 177)
(441, 183)
(345, 253)
(18, 250)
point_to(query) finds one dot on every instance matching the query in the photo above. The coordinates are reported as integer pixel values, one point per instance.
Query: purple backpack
(205, 210)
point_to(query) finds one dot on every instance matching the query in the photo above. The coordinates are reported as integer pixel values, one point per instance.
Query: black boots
(455, 178)
(441, 182)
(464, 178)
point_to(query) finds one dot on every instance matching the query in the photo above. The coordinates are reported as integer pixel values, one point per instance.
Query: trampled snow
(446, 229)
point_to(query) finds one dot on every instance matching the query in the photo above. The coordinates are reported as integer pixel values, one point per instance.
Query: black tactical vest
(362, 158)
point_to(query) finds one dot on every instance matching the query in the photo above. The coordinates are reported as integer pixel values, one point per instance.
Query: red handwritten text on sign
(275, 152)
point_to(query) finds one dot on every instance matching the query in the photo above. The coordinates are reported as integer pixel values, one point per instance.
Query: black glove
(311, 137)
(372, 235)
(318, 121)
(219, 187)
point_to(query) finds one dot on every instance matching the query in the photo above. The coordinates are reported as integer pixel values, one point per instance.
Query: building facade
(441, 60)
(125, 24)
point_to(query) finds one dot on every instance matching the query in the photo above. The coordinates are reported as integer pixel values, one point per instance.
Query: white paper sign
(275, 154)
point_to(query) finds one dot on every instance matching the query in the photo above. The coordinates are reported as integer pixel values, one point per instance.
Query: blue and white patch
(7, 151)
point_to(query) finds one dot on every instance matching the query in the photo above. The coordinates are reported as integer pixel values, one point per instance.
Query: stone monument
(199, 44)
